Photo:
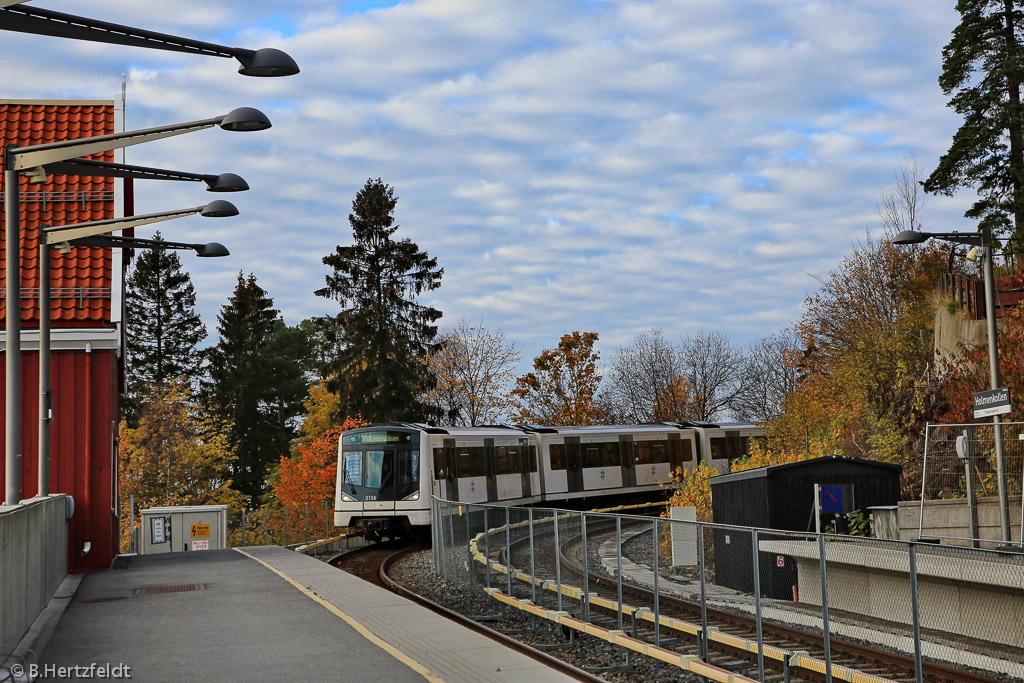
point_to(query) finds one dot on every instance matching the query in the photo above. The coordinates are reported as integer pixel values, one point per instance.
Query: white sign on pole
(989, 403)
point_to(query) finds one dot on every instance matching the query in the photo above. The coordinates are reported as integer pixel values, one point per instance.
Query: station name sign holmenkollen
(994, 402)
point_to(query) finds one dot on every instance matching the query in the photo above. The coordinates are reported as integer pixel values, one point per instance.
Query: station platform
(263, 614)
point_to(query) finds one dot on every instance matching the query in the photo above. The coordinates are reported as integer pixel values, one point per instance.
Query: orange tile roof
(80, 281)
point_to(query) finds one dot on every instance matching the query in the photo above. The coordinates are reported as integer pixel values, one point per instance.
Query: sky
(599, 165)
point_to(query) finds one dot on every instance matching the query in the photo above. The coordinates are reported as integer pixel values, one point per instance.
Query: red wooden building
(86, 367)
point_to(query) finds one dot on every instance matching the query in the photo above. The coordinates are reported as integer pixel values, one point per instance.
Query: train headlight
(415, 496)
(345, 498)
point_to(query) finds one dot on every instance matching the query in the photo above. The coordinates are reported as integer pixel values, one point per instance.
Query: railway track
(373, 564)
(731, 634)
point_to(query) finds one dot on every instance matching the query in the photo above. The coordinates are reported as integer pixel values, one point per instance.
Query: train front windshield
(380, 465)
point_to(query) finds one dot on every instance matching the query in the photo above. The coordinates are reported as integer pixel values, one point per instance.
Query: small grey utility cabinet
(184, 528)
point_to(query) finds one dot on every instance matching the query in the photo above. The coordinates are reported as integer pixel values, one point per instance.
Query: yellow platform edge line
(351, 621)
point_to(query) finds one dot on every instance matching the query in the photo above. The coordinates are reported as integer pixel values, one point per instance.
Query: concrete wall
(951, 518)
(33, 561)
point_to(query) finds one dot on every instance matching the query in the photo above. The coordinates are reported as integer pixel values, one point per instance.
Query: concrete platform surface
(263, 614)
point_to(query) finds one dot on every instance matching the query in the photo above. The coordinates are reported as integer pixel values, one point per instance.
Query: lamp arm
(65, 233)
(21, 158)
(59, 25)
(107, 169)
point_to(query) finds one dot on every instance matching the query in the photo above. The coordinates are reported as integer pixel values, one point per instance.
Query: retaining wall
(33, 562)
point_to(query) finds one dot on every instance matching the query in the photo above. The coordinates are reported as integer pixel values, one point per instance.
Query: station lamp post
(264, 62)
(91, 234)
(982, 239)
(34, 159)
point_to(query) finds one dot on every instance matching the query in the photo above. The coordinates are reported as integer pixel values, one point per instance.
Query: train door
(451, 476)
(675, 456)
(573, 464)
(380, 480)
(626, 451)
(527, 467)
(492, 472)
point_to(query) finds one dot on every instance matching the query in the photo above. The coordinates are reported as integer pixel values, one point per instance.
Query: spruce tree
(163, 327)
(256, 383)
(384, 336)
(982, 73)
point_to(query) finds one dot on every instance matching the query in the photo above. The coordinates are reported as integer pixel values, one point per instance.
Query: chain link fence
(715, 590)
(968, 476)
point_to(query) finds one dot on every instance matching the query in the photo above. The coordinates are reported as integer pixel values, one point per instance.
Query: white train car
(387, 472)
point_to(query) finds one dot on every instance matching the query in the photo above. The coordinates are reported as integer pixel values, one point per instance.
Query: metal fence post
(508, 553)
(487, 546)
(657, 591)
(452, 559)
(826, 636)
(287, 524)
(915, 612)
(243, 526)
(618, 566)
(307, 522)
(558, 564)
(131, 523)
(469, 541)
(757, 604)
(586, 570)
(533, 563)
(703, 594)
(327, 521)
(266, 513)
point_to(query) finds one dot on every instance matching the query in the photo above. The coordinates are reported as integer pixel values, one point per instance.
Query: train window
(517, 463)
(378, 469)
(658, 452)
(601, 454)
(642, 453)
(353, 467)
(438, 460)
(738, 447)
(504, 460)
(718, 448)
(557, 452)
(471, 461)
(687, 450)
(408, 466)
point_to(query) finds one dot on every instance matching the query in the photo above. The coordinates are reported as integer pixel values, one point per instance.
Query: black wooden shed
(782, 497)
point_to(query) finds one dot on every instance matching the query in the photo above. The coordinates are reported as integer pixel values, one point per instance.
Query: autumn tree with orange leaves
(562, 387)
(309, 476)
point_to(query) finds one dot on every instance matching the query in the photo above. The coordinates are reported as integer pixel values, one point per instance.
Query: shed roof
(81, 280)
(788, 467)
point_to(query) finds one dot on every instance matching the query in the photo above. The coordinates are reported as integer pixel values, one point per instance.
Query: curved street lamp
(982, 239)
(264, 62)
(222, 182)
(91, 234)
(35, 158)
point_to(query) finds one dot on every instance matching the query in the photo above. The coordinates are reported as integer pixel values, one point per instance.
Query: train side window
(591, 456)
(557, 451)
(687, 450)
(738, 447)
(438, 462)
(658, 452)
(642, 452)
(471, 461)
(719, 450)
(517, 463)
(408, 467)
(610, 454)
(605, 454)
(505, 460)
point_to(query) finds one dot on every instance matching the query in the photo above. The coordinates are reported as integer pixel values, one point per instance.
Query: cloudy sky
(598, 165)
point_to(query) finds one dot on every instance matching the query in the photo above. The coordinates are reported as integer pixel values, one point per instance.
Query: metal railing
(80, 197)
(887, 593)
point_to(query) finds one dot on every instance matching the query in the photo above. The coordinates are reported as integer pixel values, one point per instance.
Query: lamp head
(267, 62)
(910, 237)
(225, 182)
(973, 254)
(211, 249)
(245, 119)
(219, 208)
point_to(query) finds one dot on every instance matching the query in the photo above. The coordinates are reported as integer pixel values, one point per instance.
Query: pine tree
(384, 336)
(982, 73)
(256, 383)
(163, 327)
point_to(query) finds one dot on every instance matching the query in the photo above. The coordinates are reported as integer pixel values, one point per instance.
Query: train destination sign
(994, 402)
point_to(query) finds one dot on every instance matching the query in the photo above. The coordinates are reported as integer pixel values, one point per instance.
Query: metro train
(387, 472)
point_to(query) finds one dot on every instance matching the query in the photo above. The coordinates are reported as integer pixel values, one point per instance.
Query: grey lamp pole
(34, 158)
(60, 235)
(982, 239)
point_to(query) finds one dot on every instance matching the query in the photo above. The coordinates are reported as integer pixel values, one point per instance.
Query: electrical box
(184, 528)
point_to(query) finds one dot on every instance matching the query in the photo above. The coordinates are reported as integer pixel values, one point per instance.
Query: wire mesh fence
(710, 587)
